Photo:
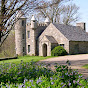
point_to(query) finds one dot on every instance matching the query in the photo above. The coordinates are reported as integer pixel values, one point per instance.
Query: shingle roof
(51, 39)
(72, 33)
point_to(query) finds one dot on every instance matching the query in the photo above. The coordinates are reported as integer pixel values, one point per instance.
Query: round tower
(47, 22)
(20, 34)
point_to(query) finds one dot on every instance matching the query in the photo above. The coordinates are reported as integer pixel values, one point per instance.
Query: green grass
(25, 59)
(85, 66)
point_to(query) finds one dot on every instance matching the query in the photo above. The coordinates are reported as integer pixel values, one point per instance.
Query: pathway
(77, 61)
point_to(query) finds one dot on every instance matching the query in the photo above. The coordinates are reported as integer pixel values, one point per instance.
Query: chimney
(82, 25)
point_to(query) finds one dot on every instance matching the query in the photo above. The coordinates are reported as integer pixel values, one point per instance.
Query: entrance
(44, 50)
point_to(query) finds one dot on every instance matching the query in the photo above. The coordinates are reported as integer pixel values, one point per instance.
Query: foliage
(28, 75)
(8, 47)
(16, 73)
(58, 51)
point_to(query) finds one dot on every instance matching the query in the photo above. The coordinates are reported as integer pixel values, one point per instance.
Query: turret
(32, 43)
(33, 23)
(47, 22)
(20, 34)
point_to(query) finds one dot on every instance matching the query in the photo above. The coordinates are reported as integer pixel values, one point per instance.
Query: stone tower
(33, 35)
(20, 35)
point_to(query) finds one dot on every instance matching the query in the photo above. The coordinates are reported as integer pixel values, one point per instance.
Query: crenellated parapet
(42, 24)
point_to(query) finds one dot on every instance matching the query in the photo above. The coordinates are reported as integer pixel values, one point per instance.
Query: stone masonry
(40, 38)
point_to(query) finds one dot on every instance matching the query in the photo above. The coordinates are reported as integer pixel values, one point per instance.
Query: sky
(83, 11)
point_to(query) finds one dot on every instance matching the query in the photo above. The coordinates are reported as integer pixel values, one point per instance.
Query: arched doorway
(44, 50)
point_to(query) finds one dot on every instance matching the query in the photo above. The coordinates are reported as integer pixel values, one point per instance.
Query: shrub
(58, 51)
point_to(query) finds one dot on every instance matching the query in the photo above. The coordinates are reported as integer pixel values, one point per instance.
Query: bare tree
(61, 13)
(9, 10)
(70, 14)
(52, 12)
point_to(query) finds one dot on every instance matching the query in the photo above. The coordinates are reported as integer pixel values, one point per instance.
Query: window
(22, 22)
(23, 49)
(28, 34)
(33, 20)
(28, 48)
(62, 45)
(23, 36)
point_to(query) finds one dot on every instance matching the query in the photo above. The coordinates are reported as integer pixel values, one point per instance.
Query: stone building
(39, 39)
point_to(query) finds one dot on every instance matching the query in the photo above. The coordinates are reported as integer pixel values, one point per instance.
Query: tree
(10, 8)
(52, 12)
(8, 11)
(61, 13)
(70, 14)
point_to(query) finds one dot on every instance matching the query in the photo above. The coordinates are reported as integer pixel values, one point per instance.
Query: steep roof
(72, 33)
(51, 39)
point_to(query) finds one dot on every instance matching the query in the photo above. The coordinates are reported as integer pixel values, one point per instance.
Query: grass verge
(85, 66)
(25, 59)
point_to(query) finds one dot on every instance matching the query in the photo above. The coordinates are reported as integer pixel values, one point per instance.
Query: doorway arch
(44, 50)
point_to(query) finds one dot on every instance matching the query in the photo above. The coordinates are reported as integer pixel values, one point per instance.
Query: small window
(33, 20)
(28, 34)
(23, 49)
(23, 36)
(22, 22)
(28, 48)
(62, 45)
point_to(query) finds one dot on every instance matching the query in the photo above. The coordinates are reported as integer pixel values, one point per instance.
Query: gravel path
(77, 61)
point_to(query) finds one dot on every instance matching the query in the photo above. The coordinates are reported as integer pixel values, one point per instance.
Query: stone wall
(33, 40)
(51, 30)
(78, 47)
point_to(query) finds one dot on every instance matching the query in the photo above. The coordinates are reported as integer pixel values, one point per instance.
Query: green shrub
(58, 51)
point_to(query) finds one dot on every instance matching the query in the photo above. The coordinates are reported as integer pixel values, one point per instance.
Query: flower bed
(28, 75)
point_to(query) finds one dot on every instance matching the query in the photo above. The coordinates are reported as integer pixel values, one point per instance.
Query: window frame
(23, 49)
(28, 48)
(23, 36)
(22, 22)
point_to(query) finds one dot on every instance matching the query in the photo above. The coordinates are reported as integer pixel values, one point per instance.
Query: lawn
(85, 66)
(25, 59)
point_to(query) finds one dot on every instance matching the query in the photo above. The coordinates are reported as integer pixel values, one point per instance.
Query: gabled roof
(51, 39)
(72, 33)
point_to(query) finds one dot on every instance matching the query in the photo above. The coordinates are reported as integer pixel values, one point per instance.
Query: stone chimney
(82, 25)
